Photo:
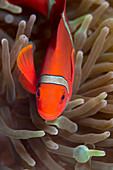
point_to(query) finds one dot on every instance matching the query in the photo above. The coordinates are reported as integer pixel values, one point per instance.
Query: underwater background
(82, 137)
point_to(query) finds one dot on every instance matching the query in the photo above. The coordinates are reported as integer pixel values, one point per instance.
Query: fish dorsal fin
(64, 41)
(26, 66)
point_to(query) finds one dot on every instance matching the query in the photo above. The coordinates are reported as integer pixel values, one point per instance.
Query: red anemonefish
(50, 8)
(43, 6)
(53, 87)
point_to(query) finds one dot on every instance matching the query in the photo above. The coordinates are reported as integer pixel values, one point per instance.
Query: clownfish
(43, 6)
(53, 87)
(49, 8)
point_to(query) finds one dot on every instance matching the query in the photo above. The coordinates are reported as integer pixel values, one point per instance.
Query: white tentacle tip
(3, 40)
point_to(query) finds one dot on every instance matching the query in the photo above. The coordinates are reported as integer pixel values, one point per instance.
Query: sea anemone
(78, 139)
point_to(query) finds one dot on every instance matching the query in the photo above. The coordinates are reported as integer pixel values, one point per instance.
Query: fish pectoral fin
(26, 66)
(27, 85)
(73, 65)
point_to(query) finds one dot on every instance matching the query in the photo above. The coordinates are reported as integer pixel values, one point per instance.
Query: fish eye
(63, 97)
(38, 93)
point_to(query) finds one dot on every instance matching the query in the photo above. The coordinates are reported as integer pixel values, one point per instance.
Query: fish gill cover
(82, 137)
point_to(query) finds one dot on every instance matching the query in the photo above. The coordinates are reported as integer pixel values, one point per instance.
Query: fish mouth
(45, 117)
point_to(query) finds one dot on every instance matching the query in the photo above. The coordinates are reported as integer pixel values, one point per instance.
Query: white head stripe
(54, 80)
